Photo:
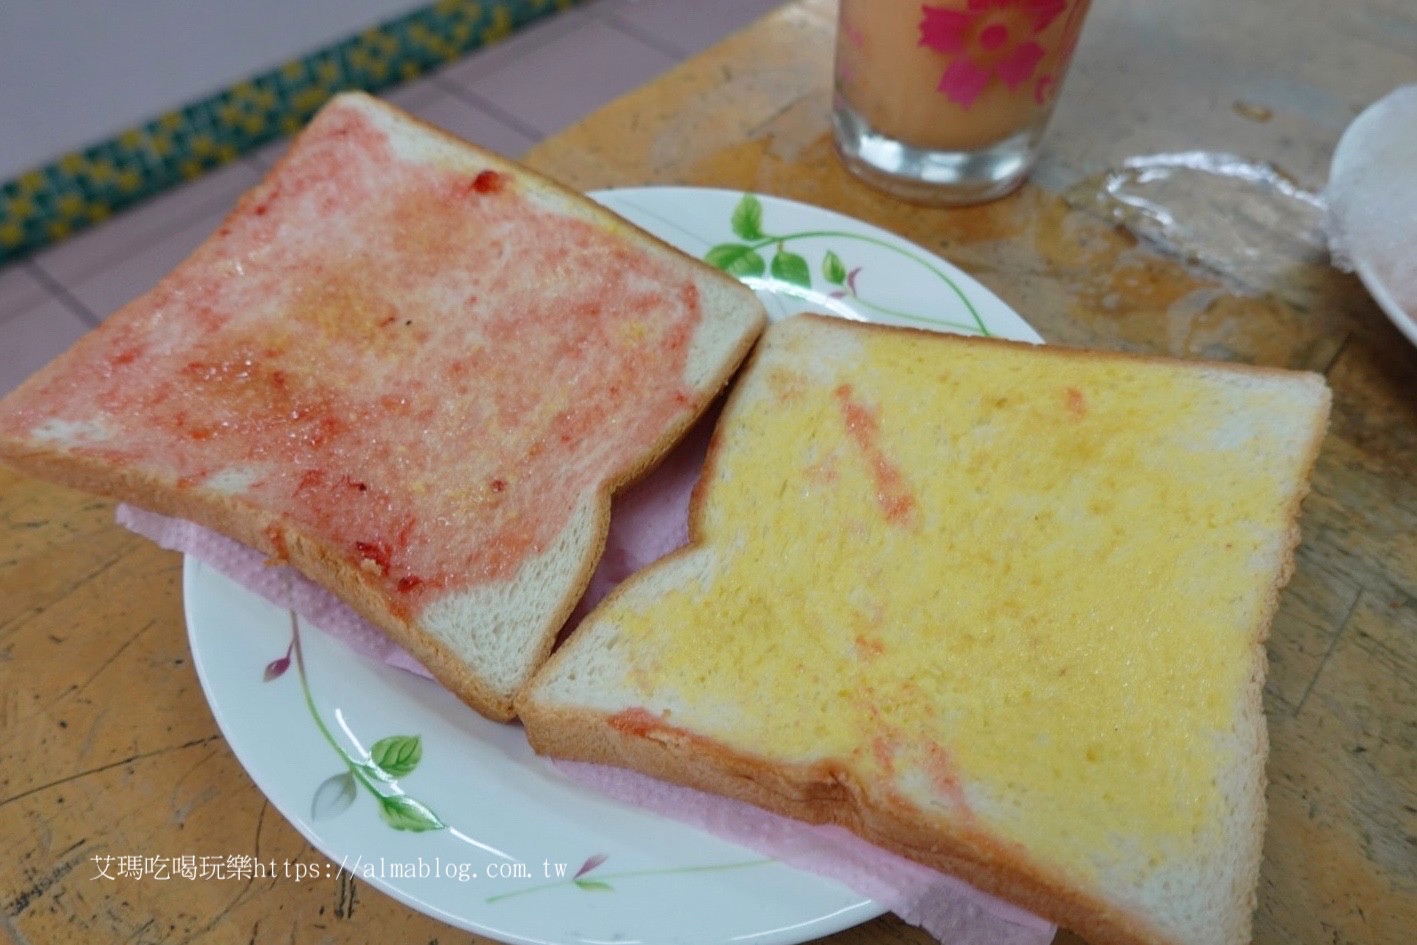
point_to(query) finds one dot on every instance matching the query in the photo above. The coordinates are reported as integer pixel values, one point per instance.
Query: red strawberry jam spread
(893, 493)
(421, 363)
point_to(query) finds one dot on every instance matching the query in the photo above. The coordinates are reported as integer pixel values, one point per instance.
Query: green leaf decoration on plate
(736, 260)
(388, 760)
(593, 885)
(404, 813)
(397, 755)
(601, 883)
(743, 260)
(333, 796)
(789, 267)
(747, 219)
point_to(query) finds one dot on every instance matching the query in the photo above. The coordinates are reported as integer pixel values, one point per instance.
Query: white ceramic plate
(492, 837)
(1372, 197)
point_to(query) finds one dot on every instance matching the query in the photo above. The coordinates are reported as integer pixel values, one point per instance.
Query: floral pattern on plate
(509, 852)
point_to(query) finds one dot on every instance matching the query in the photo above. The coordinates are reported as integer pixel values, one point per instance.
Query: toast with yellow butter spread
(996, 607)
(411, 368)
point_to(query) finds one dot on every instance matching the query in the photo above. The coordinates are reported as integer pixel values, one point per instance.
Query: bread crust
(825, 794)
(829, 794)
(284, 541)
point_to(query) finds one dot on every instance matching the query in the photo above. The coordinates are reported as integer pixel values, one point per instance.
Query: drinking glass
(946, 103)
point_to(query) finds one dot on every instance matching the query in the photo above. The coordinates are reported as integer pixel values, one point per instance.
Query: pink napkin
(949, 909)
(647, 521)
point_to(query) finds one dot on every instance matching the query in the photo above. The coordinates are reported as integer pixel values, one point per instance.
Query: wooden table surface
(107, 745)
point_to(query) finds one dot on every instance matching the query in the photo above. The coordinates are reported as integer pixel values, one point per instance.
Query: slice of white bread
(411, 368)
(998, 608)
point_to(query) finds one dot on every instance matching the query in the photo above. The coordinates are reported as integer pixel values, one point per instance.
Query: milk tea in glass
(946, 103)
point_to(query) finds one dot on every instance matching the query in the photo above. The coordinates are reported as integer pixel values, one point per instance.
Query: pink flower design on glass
(988, 40)
(846, 69)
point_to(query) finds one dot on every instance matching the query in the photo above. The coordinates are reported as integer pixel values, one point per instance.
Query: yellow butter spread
(1017, 588)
